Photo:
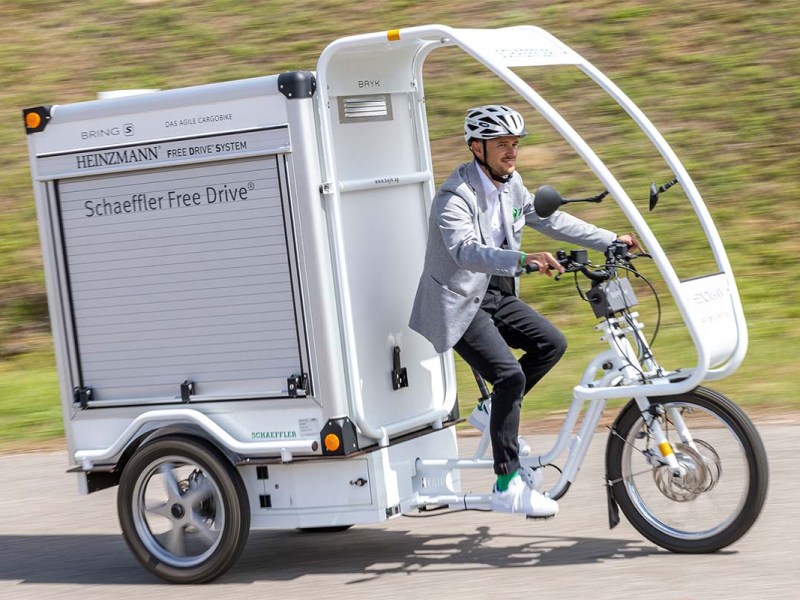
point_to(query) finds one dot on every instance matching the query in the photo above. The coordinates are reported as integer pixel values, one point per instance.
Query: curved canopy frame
(710, 305)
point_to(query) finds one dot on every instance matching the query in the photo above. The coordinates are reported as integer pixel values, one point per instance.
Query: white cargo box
(189, 262)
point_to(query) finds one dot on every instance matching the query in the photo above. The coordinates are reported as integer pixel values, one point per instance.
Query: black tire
(183, 510)
(326, 529)
(731, 490)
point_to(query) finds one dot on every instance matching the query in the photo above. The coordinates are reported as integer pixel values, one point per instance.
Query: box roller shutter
(182, 274)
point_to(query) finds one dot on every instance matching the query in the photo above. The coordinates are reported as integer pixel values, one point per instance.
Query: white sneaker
(519, 498)
(524, 446)
(479, 419)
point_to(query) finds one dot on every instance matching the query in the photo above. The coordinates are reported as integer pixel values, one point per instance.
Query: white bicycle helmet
(492, 121)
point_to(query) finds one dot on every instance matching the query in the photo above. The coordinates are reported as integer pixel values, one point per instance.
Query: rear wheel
(183, 510)
(723, 482)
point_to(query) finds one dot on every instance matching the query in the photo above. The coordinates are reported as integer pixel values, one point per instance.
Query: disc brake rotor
(701, 472)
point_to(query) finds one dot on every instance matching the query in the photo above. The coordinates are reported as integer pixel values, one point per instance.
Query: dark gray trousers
(503, 321)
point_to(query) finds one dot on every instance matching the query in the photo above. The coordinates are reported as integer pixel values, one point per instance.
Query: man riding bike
(467, 298)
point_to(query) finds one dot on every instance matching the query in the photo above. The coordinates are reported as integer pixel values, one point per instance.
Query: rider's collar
(489, 186)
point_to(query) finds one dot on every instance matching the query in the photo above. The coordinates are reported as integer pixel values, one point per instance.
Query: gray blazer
(460, 257)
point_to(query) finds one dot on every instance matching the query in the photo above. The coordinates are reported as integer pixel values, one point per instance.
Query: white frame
(618, 365)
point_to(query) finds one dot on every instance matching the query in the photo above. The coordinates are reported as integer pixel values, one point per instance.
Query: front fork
(665, 449)
(616, 332)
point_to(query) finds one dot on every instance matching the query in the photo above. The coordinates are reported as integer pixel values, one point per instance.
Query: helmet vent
(493, 121)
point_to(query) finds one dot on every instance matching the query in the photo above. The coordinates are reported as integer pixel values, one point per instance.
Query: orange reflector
(666, 448)
(393, 35)
(33, 120)
(332, 442)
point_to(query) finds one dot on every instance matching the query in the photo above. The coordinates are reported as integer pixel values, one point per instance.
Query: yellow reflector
(665, 448)
(393, 35)
(332, 442)
(33, 120)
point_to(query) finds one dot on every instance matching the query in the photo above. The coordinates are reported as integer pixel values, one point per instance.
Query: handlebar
(577, 261)
(610, 295)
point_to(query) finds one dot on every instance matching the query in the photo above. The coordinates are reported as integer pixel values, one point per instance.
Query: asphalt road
(56, 544)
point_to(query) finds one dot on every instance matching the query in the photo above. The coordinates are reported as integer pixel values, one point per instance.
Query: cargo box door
(183, 274)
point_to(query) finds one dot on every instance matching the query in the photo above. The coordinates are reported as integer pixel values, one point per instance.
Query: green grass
(721, 80)
(29, 404)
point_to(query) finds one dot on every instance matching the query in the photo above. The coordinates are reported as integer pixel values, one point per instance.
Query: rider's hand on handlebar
(543, 262)
(630, 240)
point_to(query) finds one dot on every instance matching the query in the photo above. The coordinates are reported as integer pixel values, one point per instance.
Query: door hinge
(82, 396)
(297, 385)
(187, 391)
(399, 374)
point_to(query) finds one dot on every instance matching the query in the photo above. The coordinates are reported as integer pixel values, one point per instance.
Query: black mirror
(546, 201)
(661, 189)
(653, 196)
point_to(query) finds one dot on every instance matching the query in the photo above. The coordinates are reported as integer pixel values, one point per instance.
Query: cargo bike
(230, 271)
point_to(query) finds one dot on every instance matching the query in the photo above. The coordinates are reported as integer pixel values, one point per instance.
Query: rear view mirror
(661, 189)
(546, 201)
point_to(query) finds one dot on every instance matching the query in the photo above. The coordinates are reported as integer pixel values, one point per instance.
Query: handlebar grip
(531, 268)
(596, 276)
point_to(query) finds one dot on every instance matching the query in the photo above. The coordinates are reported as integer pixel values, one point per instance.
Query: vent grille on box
(361, 109)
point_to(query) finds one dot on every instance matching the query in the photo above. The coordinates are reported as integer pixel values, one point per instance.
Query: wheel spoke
(159, 509)
(176, 540)
(632, 475)
(203, 528)
(173, 489)
(199, 492)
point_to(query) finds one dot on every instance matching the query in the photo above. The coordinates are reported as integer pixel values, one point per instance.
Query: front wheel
(722, 485)
(183, 510)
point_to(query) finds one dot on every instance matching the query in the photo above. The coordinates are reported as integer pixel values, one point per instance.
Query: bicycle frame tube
(578, 443)
(617, 364)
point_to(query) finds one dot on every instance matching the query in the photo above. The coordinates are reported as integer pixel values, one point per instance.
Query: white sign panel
(164, 152)
(519, 46)
(181, 274)
(709, 302)
(172, 114)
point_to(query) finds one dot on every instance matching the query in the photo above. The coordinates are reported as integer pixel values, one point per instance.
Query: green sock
(503, 480)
